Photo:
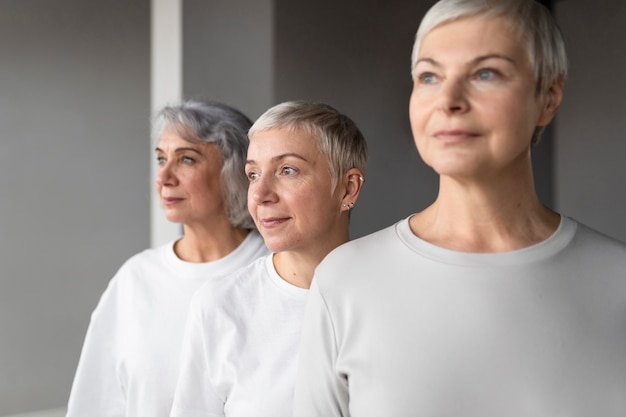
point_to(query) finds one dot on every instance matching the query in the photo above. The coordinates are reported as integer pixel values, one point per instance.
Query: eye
(252, 175)
(288, 171)
(160, 160)
(187, 160)
(427, 78)
(486, 74)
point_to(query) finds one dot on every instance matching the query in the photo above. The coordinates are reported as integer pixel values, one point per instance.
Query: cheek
(323, 200)
(251, 207)
(519, 110)
(306, 201)
(520, 119)
(414, 114)
(204, 181)
(417, 116)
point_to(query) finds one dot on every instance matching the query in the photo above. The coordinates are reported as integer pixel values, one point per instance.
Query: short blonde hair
(338, 137)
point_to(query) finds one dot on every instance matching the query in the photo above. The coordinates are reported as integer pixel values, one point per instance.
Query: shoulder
(593, 234)
(134, 270)
(146, 258)
(596, 241)
(357, 259)
(231, 289)
(371, 244)
(363, 248)
(591, 244)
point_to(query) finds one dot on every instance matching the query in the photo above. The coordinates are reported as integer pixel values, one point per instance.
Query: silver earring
(361, 178)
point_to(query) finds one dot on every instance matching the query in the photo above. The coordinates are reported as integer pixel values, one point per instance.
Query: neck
(298, 266)
(206, 244)
(497, 216)
(294, 268)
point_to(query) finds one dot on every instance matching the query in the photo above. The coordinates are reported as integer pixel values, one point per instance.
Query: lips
(271, 222)
(169, 201)
(455, 135)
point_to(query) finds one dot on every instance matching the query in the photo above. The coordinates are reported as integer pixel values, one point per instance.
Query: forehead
(171, 137)
(283, 140)
(467, 37)
(171, 141)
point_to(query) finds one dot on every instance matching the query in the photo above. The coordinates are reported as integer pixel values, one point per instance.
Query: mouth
(272, 222)
(455, 135)
(170, 201)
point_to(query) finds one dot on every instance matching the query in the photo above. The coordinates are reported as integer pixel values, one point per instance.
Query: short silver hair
(213, 122)
(338, 138)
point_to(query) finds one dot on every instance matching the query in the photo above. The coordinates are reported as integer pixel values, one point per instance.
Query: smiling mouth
(271, 222)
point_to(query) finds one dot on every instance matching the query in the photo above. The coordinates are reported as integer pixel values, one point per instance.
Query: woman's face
(290, 196)
(473, 108)
(188, 180)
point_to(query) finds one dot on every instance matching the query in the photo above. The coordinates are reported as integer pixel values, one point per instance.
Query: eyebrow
(472, 62)
(184, 149)
(281, 157)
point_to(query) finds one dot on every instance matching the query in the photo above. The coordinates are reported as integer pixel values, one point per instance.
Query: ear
(353, 182)
(551, 101)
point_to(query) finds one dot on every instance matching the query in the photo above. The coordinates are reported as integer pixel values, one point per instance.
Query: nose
(165, 175)
(262, 190)
(454, 96)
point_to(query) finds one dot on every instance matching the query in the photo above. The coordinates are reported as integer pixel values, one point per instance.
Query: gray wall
(591, 127)
(228, 54)
(74, 179)
(74, 148)
(355, 55)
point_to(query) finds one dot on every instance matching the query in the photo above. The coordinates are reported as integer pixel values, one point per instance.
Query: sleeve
(195, 395)
(97, 390)
(319, 391)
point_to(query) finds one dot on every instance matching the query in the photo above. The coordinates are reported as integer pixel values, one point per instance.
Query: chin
(455, 167)
(275, 248)
(173, 218)
(276, 245)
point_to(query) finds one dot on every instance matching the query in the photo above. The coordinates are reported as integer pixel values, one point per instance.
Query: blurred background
(80, 79)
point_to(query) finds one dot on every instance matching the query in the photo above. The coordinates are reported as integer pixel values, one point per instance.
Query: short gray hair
(338, 137)
(213, 122)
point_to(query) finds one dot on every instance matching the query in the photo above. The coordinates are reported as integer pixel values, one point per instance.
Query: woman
(305, 164)
(130, 359)
(486, 303)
